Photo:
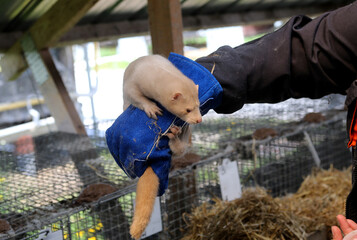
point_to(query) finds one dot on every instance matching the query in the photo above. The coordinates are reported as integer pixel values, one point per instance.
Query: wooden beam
(249, 17)
(58, 100)
(165, 20)
(8, 39)
(104, 31)
(114, 30)
(20, 104)
(63, 15)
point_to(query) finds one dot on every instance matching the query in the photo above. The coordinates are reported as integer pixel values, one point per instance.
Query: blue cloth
(136, 141)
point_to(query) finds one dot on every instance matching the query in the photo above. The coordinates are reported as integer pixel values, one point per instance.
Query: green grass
(195, 42)
(108, 51)
(113, 65)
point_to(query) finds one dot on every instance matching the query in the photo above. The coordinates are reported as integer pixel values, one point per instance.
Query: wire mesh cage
(280, 164)
(49, 184)
(277, 154)
(41, 176)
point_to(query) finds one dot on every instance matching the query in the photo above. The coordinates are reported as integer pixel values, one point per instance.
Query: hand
(346, 226)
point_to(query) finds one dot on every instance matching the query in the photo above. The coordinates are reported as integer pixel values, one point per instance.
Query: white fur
(155, 77)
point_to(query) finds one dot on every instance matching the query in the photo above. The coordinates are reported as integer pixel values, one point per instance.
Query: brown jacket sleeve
(304, 58)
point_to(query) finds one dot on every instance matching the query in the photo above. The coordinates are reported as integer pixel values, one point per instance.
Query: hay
(256, 215)
(321, 197)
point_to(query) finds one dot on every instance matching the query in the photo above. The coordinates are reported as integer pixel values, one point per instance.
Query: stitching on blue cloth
(159, 135)
(125, 170)
(202, 104)
(139, 160)
(156, 143)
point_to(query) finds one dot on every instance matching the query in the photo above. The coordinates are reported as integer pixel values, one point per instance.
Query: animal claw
(153, 115)
(151, 111)
(175, 130)
(170, 135)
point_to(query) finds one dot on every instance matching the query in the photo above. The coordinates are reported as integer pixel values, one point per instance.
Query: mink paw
(152, 110)
(174, 131)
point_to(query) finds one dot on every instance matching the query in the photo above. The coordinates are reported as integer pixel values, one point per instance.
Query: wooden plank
(59, 19)
(63, 15)
(58, 100)
(115, 30)
(165, 21)
(9, 9)
(103, 32)
(249, 17)
(95, 12)
(20, 104)
(8, 39)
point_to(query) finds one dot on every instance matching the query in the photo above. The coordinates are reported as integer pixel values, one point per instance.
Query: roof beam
(63, 15)
(115, 30)
(250, 17)
(103, 32)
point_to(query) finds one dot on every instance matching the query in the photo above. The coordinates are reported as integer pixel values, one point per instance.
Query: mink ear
(176, 96)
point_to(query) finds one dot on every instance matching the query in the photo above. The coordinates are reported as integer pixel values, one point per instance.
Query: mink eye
(188, 110)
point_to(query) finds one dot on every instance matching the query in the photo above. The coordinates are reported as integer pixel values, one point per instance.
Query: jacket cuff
(223, 65)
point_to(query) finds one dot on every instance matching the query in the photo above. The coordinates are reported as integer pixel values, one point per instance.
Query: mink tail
(146, 192)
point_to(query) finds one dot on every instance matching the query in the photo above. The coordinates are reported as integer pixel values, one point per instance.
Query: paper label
(155, 224)
(49, 235)
(229, 180)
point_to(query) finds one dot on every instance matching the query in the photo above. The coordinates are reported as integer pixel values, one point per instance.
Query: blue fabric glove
(137, 141)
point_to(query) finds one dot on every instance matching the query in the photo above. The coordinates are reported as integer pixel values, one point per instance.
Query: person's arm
(304, 58)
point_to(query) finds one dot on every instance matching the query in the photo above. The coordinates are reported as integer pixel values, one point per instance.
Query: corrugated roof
(122, 17)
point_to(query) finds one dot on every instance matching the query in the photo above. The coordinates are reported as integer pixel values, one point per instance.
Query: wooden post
(58, 100)
(165, 19)
(63, 15)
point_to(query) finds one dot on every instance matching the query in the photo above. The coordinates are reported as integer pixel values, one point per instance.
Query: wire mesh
(41, 178)
(280, 162)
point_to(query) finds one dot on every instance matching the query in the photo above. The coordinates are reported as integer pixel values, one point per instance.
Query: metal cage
(41, 178)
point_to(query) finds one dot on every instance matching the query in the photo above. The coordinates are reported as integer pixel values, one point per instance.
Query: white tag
(229, 180)
(49, 235)
(155, 224)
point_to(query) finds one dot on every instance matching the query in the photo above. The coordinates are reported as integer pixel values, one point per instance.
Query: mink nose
(199, 120)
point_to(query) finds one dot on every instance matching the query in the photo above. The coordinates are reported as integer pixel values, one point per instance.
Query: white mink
(156, 78)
